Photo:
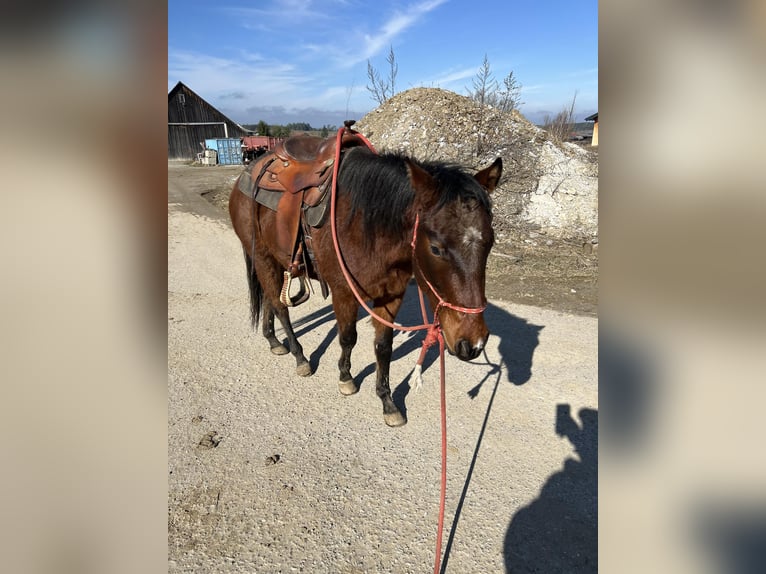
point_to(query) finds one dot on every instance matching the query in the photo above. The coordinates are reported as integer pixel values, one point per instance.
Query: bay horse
(379, 199)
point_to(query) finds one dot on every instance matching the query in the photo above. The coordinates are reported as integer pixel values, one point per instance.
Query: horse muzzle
(465, 351)
(466, 338)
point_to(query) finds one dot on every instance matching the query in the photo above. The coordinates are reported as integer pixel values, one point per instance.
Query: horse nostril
(465, 351)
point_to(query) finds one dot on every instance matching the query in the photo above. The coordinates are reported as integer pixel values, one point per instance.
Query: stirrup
(298, 298)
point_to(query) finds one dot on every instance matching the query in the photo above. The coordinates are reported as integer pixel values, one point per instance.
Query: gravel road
(272, 472)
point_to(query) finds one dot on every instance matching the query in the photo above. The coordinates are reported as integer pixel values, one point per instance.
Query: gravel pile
(549, 187)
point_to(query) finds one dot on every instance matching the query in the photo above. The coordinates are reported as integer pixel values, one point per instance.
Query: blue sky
(289, 61)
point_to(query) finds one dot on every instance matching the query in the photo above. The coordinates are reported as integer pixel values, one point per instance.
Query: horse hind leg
(264, 297)
(261, 306)
(268, 330)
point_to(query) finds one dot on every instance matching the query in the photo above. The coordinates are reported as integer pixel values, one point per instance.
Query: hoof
(394, 419)
(279, 350)
(304, 370)
(347, 388)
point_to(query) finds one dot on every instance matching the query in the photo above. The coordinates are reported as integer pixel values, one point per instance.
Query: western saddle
(293, 180)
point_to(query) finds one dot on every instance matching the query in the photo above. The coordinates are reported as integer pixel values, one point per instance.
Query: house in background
(594, 118)
(191, 120)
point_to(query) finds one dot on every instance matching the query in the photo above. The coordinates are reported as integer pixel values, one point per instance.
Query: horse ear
(423, 184)
(488, 177)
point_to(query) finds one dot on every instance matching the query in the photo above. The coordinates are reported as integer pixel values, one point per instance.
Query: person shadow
(558, 531)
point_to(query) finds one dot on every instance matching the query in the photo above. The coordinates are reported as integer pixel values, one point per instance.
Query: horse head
(452, 240)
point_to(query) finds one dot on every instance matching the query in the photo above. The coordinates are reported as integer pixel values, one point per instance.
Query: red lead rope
(433, 335)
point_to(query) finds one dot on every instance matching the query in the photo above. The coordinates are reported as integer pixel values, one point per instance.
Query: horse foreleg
(268, 329)
(303, 365)
(345, 315)
(384, 338)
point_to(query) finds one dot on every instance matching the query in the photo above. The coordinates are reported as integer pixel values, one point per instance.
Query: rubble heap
(546, 186)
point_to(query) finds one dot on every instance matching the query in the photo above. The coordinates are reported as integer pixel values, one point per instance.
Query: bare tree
(393, 69)
(509, 97)
(561, 126)
(484, 93)
(484, 84)
(381, 89)
(487, 90)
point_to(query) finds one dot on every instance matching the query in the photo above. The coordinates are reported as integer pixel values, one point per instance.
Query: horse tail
(256, 291)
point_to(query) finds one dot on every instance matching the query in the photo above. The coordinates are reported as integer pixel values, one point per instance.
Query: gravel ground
(271, 472)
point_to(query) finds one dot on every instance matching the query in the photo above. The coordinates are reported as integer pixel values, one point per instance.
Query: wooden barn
(191, 120)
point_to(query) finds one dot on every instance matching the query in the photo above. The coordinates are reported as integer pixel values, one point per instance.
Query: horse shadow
(558, 531)
(518, 340)
(311, 322)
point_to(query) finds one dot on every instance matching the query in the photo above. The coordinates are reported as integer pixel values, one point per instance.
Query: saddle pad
(267, 197)
(245, 183)
(315, 214)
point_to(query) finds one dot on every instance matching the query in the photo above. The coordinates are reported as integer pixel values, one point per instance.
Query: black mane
(380, 191)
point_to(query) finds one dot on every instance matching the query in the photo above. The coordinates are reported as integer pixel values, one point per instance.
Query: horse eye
(435, 250)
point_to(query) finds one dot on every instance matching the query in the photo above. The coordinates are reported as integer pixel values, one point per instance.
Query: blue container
(211, 144)
(229, 151)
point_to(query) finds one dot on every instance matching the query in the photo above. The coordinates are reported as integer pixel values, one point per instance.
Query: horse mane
(378, 186)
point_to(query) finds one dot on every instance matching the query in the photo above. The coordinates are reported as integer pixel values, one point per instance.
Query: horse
(395, 218)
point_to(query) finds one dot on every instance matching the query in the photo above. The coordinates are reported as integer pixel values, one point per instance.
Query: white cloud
(248, 89)
(277, 14)
(447, 78)
(398, 23)
(212, 76)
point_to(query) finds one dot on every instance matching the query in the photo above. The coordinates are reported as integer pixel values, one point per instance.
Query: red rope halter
(433, 335)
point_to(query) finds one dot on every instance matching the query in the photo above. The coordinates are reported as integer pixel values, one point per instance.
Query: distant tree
(300, 127)
(381, 89)
(262, 128)
(279, 131)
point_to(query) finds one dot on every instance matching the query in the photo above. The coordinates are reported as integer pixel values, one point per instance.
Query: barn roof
(192, 121)
(183, 88)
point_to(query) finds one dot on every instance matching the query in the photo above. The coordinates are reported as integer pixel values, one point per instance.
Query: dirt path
(271, 472)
